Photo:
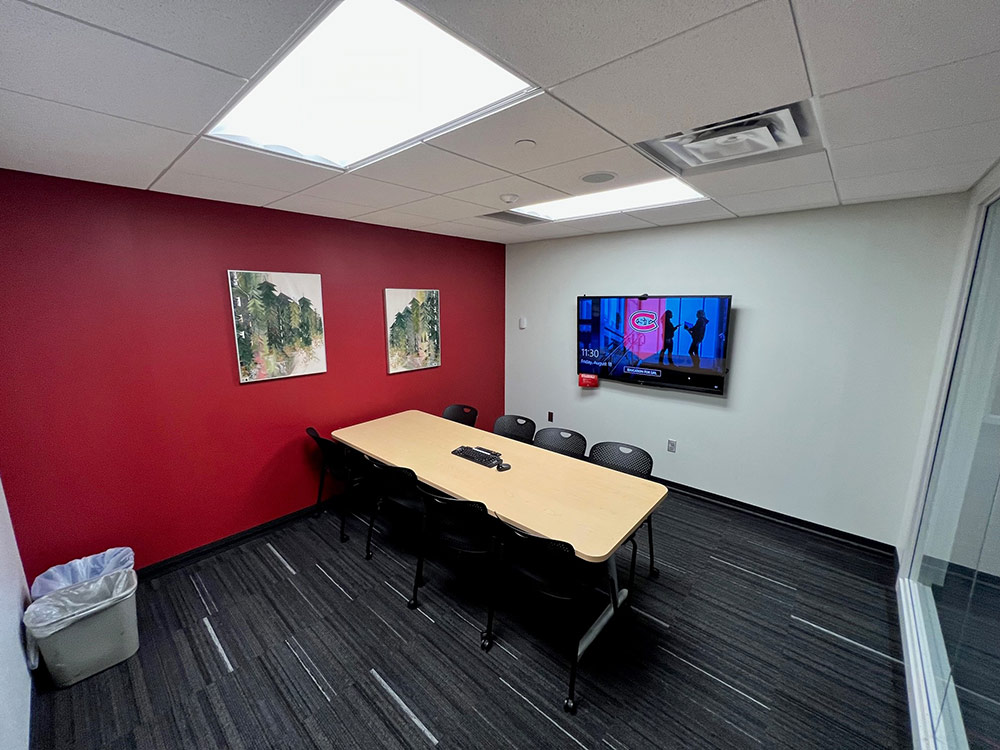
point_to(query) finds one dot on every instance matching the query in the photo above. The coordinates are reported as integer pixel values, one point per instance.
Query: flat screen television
(665, 341)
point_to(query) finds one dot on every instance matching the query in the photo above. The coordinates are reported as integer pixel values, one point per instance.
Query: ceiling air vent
(761, 136)
(512, 218)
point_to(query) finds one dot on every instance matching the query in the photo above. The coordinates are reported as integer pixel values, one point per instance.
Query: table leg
(617, 595)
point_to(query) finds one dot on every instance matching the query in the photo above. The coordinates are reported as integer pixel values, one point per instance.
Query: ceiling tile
(352, 188)
(390, 218)
(53, 57)
(684, 213)
(744, 62)
(631, 168)
(926, 181)
(555, 40)
(488, 222)
(226, 161)
(488, 194)
(427, 168)
(230, 34)
(560, 134)
(553, 230)
(443, 208)
(56, 139)
(956, 94)
(799, 170)
(966, 143)
(523, 233)
(454, 229)
(850, 44)
(198, 186)
(308, 204)
(785, 199)
(608, 223)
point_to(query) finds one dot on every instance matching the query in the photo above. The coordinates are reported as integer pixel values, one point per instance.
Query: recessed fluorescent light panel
(633, 198)
(373, 75)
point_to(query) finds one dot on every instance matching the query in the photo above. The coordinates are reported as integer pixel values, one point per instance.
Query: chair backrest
(561, 441)
(342, 461)
(392, 481)
(623, 457)
(549, 564)
(464, 525)
(515, 427)
(462, 413)
(333, 453)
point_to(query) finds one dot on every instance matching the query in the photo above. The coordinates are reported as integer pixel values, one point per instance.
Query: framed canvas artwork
(278, 320)
(412, 329)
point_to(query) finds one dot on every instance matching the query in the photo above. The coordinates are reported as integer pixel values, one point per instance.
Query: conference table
(544, 493)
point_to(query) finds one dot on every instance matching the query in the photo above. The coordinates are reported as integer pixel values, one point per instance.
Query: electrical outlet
(671, 446)
(550, 416)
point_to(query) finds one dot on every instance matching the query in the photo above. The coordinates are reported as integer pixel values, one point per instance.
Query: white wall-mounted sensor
(522, 323)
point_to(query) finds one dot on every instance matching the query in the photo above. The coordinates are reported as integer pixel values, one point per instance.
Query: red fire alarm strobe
(588, 380)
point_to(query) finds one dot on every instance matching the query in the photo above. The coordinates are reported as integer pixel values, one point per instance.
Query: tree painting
(413, 329)
(278, 318)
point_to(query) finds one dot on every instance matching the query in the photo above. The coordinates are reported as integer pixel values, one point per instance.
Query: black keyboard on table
(482, 456)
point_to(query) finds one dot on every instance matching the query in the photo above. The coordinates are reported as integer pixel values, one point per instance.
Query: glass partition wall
(950, 596)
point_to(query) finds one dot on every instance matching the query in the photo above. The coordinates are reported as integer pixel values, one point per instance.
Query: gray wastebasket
(83, 629)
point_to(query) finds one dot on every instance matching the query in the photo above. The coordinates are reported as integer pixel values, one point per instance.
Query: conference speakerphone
(481, 456)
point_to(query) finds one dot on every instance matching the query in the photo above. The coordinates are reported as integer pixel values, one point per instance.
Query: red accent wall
(122, 419)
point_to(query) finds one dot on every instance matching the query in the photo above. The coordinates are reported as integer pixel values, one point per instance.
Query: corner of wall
(980, 194)
(15, 690)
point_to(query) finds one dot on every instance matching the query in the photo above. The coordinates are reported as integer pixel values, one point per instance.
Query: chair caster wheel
(654, 573)
(486, 644)
(344, 538)
(569, 706)
(368, 555)
(413, 604)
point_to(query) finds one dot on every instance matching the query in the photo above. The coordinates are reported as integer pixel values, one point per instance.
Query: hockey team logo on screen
(643, 320)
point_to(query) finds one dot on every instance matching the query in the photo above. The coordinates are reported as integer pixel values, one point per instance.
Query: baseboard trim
(186, 558)
(816, 528)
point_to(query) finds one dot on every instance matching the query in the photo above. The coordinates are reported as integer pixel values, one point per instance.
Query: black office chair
(553, 570)
(461, 413)
(462, 527)
(393, 485)
(557, 439)
(345, 465)
(629, 459)
(515, 427)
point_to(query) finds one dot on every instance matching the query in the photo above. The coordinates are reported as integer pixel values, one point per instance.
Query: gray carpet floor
(756, 634)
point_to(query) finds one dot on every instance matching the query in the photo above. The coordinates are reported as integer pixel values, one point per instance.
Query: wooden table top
(593, 508)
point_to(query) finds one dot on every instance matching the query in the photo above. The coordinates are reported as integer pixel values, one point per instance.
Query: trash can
(85, 569)
(83, 629)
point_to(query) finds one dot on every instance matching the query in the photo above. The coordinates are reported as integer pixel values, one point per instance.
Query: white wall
(15, 684)
(833, 351)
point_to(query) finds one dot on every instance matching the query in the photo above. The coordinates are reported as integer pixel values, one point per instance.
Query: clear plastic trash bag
(85, 569)
(60, 609)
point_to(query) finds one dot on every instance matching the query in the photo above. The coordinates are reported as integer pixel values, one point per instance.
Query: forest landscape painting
(278, 318)
(413, 329)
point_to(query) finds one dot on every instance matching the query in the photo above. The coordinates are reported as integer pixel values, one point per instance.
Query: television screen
(671, 342)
